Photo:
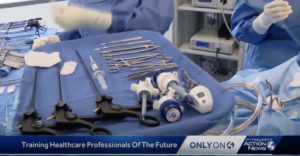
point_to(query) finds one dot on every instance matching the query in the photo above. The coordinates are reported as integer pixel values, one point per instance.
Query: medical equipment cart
(188, 20)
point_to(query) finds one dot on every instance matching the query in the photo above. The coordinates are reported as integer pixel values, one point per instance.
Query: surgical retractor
(98, 74)
(198, 97)
(144, 90)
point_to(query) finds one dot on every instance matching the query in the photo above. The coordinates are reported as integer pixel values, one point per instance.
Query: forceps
(165, 63)
(273, 96)
(108, 56)
(124, 40)
(149, 42)
(157, 54)
(127, 64)
(147, 47)
(147, 73)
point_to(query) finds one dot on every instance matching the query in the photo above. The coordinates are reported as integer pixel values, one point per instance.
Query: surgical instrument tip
(92, 60)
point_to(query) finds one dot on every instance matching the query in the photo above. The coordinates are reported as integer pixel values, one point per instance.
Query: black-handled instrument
(108, 110)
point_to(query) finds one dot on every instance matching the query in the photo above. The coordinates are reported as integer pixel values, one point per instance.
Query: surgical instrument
(99, 75)
(32, 124)
(64, 118)
(124, 62)
(123, 40)
(107, 110)
(168, 107)
(144, 90)
(166, 62)
(30, 41)
(149, 42)
(114, 61)
(11, 59)
(110, 56)
(199, 97)
(19, 36)
(273, 97)
(147, 47)
(21, 26)
(148, 73)
(127, 64)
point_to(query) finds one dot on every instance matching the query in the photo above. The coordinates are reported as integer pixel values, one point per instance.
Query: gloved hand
(73, 17)
(45, 40)
(273, 12)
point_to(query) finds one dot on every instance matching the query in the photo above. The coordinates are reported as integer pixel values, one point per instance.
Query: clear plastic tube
(100, 77)
(255, 114)
(232, 121)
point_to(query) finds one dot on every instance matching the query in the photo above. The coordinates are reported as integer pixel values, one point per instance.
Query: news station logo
(259, 144)
(213, 145)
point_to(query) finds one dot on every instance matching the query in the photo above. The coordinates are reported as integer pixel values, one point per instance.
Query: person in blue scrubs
(85, 18)
(272, 29)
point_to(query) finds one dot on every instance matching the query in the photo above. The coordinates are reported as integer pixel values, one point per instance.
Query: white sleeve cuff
(261, 24)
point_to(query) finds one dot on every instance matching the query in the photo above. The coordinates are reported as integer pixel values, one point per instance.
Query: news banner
(160, 145)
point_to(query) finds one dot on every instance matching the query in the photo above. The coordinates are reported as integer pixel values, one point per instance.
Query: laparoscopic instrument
(109, 111)
(108, 56)
(21, 26)
(98, 74)
(32, 124)
(148, 42)
(123, 40)
(144, 90)
(198, 97)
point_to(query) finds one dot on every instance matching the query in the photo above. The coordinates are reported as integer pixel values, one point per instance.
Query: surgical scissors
(158, 54)
(109, 55)
(149, 42)
(147, 47)
(273, 96)
(124, 40)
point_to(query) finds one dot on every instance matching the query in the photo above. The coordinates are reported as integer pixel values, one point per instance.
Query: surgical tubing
(232, 121)
(255, 114)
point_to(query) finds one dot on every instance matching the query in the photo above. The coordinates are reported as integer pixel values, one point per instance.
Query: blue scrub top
(279, 44)
(128, 15)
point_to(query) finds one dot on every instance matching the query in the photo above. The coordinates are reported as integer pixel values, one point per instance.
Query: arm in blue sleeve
(64, 36)
(155, 15)
(241, 23)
